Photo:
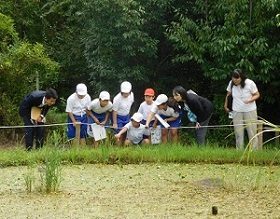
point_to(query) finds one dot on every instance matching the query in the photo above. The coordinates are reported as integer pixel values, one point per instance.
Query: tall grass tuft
(268, 127)
(29, 176)
(50, 172)
(29, 179)
(250, 153)
(55, 139)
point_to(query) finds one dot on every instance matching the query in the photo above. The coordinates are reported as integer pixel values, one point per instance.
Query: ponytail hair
(173, 104)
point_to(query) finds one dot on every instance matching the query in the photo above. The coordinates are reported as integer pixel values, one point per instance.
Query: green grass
(136, 155)
(29, 179)
(51, 171)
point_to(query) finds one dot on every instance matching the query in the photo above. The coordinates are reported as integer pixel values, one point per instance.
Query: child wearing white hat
(170, 115)
(135, 131)
(122, 103)
(99, 111)
(76, 109)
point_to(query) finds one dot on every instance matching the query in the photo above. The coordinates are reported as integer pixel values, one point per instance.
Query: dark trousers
(201, 132)
(31, 133)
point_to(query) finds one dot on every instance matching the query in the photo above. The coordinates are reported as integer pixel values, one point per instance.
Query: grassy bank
(138, 155)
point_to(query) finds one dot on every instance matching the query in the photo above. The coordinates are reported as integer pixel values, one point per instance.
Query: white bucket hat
(137, 117)
(81, 89)
(126, 87)
(162, 98)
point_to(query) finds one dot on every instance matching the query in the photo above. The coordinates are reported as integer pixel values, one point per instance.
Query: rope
(181, 127)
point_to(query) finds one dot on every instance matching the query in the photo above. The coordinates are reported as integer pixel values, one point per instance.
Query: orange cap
(149, 92)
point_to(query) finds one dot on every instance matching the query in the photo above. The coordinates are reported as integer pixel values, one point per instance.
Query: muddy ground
(145, 191)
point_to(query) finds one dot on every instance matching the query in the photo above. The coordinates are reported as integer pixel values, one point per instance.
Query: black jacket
(33, 99)
(200, 106)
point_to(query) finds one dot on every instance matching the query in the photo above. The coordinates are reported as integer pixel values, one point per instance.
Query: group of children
(128, 129)
(155, 115)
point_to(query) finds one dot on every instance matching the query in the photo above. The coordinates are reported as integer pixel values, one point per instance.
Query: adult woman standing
(199, 110)
(244, 94)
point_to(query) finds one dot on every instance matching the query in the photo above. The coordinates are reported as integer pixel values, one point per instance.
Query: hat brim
(149, 94)
(82, 93)
(158, 103)
(135, 120)
(125, 91)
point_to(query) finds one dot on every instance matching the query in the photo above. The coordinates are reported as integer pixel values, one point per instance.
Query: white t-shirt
(145, 109)
(76, 105)
(243, 94)
(95, 106)
(169, 112)
(122, 105)
(135, 135)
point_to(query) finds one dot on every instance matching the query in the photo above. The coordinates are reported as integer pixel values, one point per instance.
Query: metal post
(78, 130)
(260, 134)
(277, 138)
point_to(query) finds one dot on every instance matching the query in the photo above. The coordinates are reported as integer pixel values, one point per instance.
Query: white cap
(162, 98)
(137, 117)
(104, 95)
(81, 89)
(126, 87)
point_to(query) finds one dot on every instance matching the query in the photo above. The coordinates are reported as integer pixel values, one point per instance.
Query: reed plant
(257, 157)
(249, 155)
(56, 139)
(29, 179)
(50, 172)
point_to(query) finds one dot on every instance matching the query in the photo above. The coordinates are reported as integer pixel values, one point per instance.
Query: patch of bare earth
(145, 191)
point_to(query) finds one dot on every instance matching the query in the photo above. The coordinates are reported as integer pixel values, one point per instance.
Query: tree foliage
(122, 39)
(152, 43)
(20, 62)
(228, 35)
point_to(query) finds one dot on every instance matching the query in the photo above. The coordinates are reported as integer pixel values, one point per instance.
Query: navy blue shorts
(71, 130)
(173, 124)
(122, 121)
(100, 117)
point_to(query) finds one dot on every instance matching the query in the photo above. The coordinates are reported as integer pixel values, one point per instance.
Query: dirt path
(146, 191)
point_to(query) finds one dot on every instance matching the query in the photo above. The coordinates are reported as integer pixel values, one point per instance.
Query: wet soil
(145, 191)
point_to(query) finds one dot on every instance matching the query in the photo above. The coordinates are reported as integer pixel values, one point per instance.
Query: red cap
(149, 92)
